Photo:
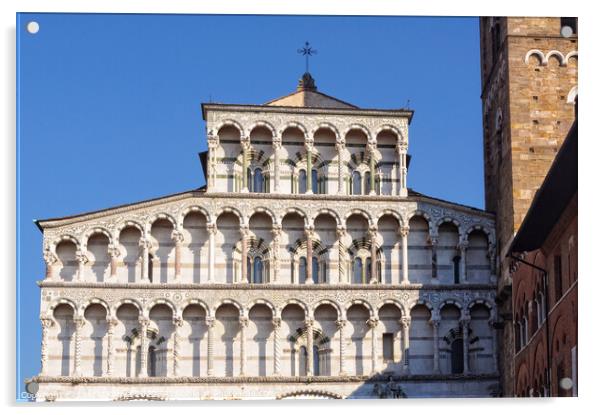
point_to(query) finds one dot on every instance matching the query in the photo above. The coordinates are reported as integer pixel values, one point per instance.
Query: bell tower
(529, 91)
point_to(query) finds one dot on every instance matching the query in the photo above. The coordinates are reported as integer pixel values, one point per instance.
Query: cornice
(269, 287)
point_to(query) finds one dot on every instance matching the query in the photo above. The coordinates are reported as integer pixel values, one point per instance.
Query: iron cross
(307, 51)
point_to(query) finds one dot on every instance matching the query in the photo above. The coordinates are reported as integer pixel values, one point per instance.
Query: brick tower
(529, 90)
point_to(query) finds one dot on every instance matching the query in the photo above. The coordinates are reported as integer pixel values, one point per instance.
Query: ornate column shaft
(178, 238)
(309, 327)
(244, 322)
(402, 150)
(462, 248)
(144, 322)
(310, 263)
(82, 260)
(372, 324)
(79, 323)
(177, 322)
(277, 322)
(114, 255)
(372, 151)
(309, 148)
(433, 243)
(342, 352)
(405, 324)
(435, 323)
(210, 321)
(244, 232)
(404, 231)
(246, 146)
(212, 230)
(341, 231)
(145, 244)
(50, 259)
(373, 232)
(493, 343)
(212, 143)
(46, 324)
(111, 323)
(277, 143)
(275, 268)
(465, 323)
(341, 182)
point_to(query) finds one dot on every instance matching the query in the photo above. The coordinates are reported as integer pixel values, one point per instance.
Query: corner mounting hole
(33, 27)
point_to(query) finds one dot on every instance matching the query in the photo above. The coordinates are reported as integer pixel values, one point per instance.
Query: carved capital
(373, 233)
(145, 243)
(47, 322)
(243, 321)
(462, 245)
(372, 322)
(113, 251)
(177, 236)
(276, 231)
(211, 228)
(435, 322)
(308, 323)
(112, 322)
(277, 142)
(309, 232)
(341, 231)
(244, 231)
(341, 324)
(404, 231)
(402, 147)
(143, 321)
(276, 322)
(405, 321)
(79, 322)
(178, 321)
(81, 257)
(49, 257)
(210, 321)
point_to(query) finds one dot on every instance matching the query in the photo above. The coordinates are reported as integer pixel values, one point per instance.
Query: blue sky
(109, 107)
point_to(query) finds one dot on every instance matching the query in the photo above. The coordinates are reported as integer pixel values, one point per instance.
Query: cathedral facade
(304, 268)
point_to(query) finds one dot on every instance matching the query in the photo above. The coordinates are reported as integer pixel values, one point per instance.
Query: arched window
(356, 183)
(368, 271)
(367, 183)
(456, 270)
(316, 361)
(257, 270)
(302, 181)
(457, 356)
(258, 181)
(314, 181)
(357, 271)
(303, 361)
(249, 179)
(150, 268)
(152, 361)
(302, 269)
(249, 275)
(315, 267)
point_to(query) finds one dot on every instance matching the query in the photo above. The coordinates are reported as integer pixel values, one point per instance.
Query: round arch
(326, 211)
(196, 301)
(197, 209)
(229, 301)
(296, 302)
(260, 124)
(359, 127)
(336, 306)
(390, 128)
(228, 123)
(265, 210)
(93, 301)
(327, 126)
(394, 302)
(96, 230)
(62, 301)
(128, 301)
(360, 302)
(542, 58)
(293, 124)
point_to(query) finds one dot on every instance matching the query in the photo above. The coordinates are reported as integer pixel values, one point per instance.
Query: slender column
(246, 146)
(277, 322)
(144, 323)
(211, 230)
(277, 143)
(405, 324)
(372, 151)
(244, 232)
(46, 324)
(177, 322)
(82, 260)
(341, 231)
(178, 238)
(50, 259)
(435, 323)
(462, 248)
(340, 149)
(465, 323)
(275, 268)
(342, 353)
(111, 323)
(114, 255)
(309, 327)
(79, 324)
(433, 243)
(372, 324)
(309, 148)
(493, 343)
(210, 321)
(145, 244)
(404, 231)
(244, 322)
(309, 230)
(373, 232)
(212, 143)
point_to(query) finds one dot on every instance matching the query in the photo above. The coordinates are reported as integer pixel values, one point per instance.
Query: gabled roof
(307, 95)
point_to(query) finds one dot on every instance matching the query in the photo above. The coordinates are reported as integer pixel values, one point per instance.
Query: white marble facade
(209, 294)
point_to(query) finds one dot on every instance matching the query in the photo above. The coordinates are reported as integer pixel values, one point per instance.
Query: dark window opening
(457, 356)
(456, 270)
(150, 268)
(558, 276)
(388, 347)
